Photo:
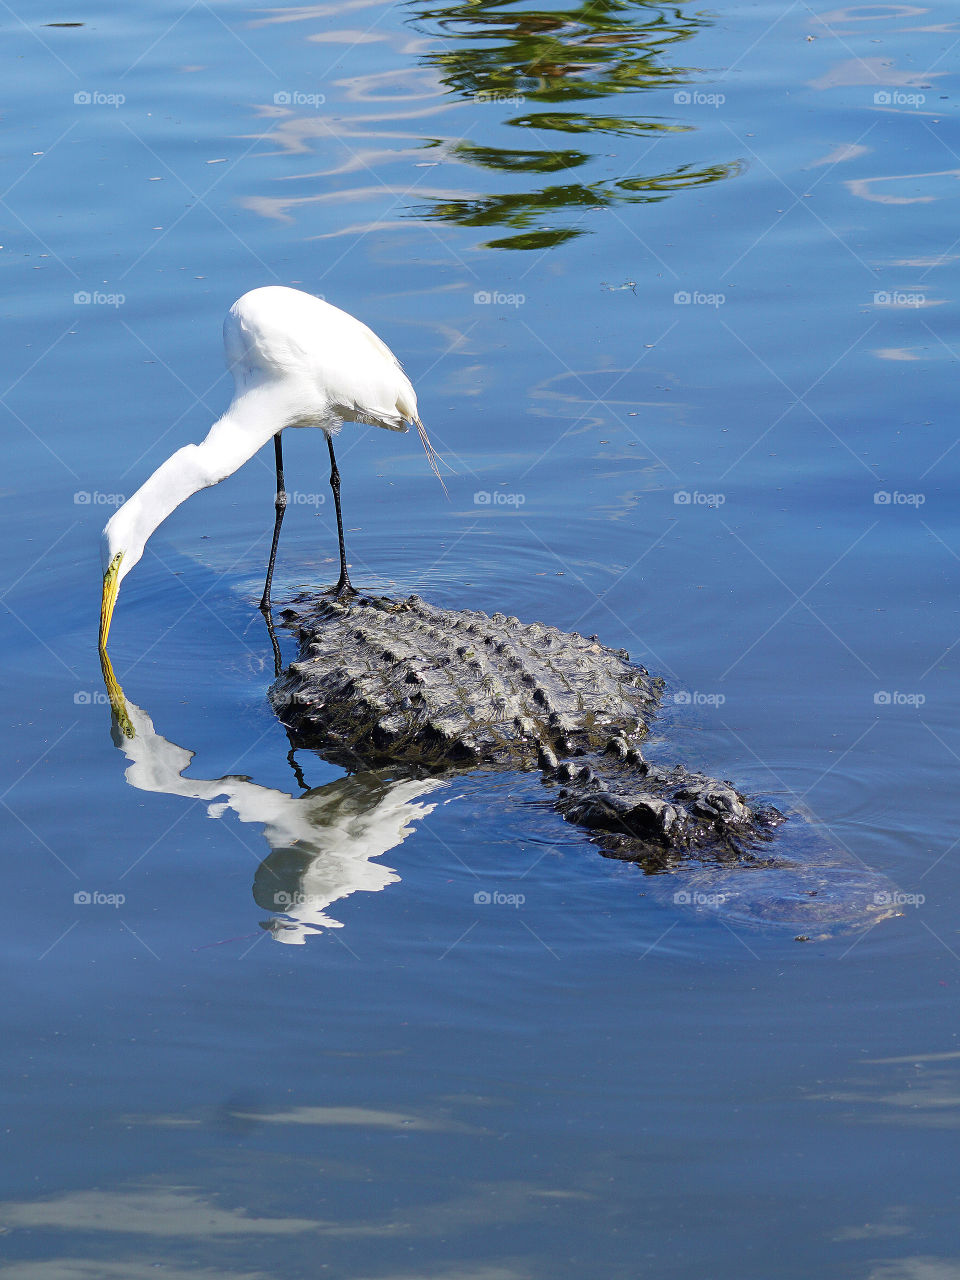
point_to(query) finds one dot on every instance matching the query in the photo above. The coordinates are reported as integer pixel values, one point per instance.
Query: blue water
(674, 288)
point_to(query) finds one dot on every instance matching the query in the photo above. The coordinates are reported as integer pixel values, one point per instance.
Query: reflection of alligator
(402, 681)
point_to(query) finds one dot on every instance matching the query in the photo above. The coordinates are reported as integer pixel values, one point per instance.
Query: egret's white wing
(279, 333)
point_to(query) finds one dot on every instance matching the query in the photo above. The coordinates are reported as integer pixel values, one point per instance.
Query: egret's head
(120, 550)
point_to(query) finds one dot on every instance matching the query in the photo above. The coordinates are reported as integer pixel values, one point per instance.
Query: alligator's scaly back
(381, 680)
(400, 679)
(386, 680)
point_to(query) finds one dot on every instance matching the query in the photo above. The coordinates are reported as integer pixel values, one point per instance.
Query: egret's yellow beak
(115, 694)
(111, 585)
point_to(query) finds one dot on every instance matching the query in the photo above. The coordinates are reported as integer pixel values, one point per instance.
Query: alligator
(383, 681)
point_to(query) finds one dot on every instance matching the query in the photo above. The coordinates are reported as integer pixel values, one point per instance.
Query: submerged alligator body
(402, 682)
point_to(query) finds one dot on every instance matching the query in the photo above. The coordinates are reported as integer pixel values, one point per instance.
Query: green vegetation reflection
(502, 54)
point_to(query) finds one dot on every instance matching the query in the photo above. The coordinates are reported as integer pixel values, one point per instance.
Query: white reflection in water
(927, 187)
(921, 1267)
(920, 1091)
(279, 207)
(878, 72)
(399, 84)
(870, 13)
(306, 13)
(323, 844)
(328, 1117)
(298, 134)
(108, 1269)
(842, 152)
(349, 37)
(160, 1211)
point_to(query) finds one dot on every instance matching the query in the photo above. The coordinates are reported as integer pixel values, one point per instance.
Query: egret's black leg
(280, 504)
(275, 643)
(344, 585)
(297, 771)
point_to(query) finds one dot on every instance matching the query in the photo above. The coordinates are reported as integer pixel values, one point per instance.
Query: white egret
(296, 361)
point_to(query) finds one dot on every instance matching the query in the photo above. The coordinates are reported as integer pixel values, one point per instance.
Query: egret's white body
(323, 366)
(296, 361)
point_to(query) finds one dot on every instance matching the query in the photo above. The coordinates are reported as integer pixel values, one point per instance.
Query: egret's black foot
(343, 589)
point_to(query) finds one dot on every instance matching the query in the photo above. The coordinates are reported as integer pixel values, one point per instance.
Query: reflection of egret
(322, 843)
(296, 362)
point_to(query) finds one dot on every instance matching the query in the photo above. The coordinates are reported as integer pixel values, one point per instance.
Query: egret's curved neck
(246, 426)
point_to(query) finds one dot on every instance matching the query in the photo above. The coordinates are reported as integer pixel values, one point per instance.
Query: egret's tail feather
(432, 456)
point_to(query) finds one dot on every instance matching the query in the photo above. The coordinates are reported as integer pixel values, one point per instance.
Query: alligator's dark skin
(403, 682)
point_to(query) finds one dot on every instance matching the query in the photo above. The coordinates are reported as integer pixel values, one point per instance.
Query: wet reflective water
(675, 291)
